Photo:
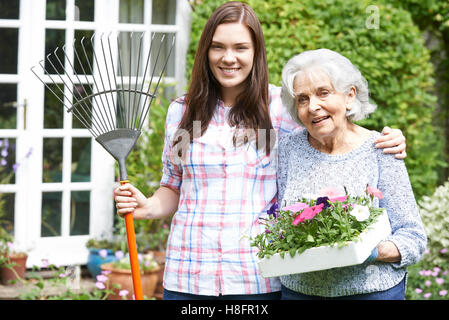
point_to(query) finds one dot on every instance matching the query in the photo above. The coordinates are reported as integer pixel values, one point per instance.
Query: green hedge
(392, 58)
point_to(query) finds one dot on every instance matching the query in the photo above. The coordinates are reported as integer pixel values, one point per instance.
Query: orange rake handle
(132, 248)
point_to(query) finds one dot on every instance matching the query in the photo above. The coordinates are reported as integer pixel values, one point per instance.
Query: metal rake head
(106, 87)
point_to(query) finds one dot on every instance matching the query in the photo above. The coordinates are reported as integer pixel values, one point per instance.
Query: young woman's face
(231, 56)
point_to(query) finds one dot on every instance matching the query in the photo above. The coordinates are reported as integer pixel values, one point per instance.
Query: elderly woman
(325, 93)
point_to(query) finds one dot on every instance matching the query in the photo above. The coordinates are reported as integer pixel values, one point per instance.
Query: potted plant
(322, 233)
(12, 261)
(119, 278)
(102, 251)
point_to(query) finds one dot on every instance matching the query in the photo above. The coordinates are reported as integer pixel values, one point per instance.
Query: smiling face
(231, 56)
(320, 107)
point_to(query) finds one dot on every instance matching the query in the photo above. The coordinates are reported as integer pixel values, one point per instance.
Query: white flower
(361, 213)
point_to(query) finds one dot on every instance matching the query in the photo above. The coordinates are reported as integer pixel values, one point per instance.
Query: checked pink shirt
(224, 190)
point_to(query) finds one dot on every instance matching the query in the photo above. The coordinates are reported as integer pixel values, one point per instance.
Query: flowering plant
(325, 221)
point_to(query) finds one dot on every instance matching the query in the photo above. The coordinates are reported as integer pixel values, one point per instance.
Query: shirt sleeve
(408, 232)
(171, 166)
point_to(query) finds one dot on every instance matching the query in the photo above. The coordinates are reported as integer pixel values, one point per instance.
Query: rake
(117, 100)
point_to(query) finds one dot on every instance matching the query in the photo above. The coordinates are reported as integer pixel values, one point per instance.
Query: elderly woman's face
(320, 107)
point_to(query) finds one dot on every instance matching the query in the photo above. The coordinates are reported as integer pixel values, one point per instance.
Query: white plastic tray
(325, 257)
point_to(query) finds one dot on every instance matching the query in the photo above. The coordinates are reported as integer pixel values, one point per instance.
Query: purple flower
(119, 254)
(29, 153)
(324, 200)
(273, 209)
(15, 166)
(4, 153)
(103, 253)
(3, 162)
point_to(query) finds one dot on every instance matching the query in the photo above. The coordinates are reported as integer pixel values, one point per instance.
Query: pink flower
(308, 214)
(418, 290)
(428, 283)
(100, 285)
(296, 207)
(341, 199)
(443, 293)
(106, 272)
(45, 263)
(444, 250)
(440, 281)
(330, 192)
(102, 278)
(374, 192)
(123, 293)
(427, 295)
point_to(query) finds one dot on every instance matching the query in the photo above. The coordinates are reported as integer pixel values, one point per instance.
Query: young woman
(219, 158)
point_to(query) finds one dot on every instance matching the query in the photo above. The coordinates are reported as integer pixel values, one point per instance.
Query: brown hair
(251, 110)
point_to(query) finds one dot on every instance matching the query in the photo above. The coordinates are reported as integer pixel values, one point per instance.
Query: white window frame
(65, 249)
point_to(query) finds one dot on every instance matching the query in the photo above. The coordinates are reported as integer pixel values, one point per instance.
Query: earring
(348, 107)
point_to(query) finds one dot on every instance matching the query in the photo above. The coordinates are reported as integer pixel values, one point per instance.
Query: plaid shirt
(224, 190)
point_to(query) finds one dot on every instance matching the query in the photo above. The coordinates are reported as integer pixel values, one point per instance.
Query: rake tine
(151, 80)
(80, 83)
(109, 80)
(133, 125)
(55, 95)
(87, 80)
(59, 75)
(145, 73)
(105, 124)
(160, 77)
(118, 111)
(129, 83)
(111, 123)
(121, 78)
(68, 77)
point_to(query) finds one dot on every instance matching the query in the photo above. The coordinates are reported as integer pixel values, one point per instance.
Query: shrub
(392, 57)
(429, 279)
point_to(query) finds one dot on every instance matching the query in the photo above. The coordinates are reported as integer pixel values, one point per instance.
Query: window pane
(164, 12)
(131, 11)
(79, 213)
(53, 108)
(82, 112)
(56, 9)
(7, 211)
(8, 163)
(84, 10)
(9, 9)
(159, 63)
(52, 160)
(81, 150)
(8, 109)
(83, 55)
(54, 38)
(51, 214)
(8, 54)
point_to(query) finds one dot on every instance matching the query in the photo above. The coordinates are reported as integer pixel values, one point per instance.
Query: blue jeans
(395, 293)
(173, 295)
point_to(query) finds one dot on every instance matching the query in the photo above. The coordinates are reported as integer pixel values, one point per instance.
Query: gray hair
(342, 73)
